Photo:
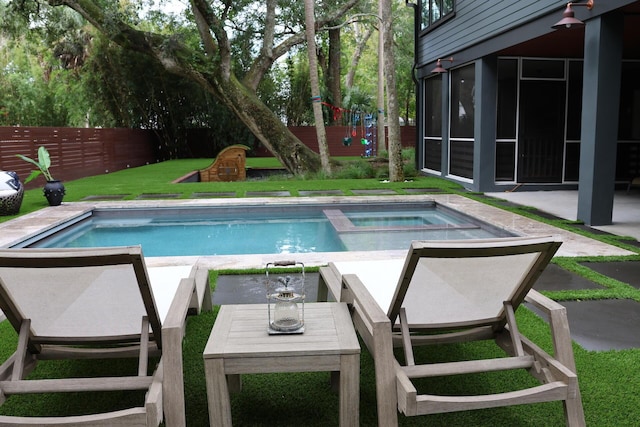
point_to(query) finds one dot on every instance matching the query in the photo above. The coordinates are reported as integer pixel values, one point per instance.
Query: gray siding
(483, 27)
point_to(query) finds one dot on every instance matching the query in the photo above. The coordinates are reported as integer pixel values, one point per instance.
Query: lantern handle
(283, 263)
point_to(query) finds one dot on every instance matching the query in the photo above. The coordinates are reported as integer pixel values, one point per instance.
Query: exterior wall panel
(476, 21)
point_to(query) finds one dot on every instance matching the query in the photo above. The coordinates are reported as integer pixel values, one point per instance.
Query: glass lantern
(285, 301)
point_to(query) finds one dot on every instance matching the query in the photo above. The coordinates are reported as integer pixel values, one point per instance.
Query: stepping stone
(555, 278)
(373, 192)
(268, 193)
(604, 324)
(250, 288)
(158, 196)
(321, 193)
(624, 271)
(213, 195)
(422, 190)
(106, 197)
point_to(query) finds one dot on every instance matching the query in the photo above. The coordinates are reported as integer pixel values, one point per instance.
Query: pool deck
(574, 245)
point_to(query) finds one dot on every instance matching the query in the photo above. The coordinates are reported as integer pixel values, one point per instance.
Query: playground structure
(229, 165)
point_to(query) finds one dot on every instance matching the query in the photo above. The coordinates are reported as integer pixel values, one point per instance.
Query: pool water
(256, 230)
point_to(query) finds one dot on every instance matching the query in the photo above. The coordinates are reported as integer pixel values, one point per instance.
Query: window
(435, 10)
(462, 115)
(463, 88)
(433, 106)
(506, 119)
(542, 69)
(433, 123)
(507, 98)
(629, 127)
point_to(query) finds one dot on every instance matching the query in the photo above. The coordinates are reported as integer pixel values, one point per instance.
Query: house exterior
(523, 106)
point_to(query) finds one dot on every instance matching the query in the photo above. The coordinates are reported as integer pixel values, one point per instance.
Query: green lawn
(609, 380)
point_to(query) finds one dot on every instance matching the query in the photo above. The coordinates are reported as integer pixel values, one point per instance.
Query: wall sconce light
(439, 69)
(568, 17)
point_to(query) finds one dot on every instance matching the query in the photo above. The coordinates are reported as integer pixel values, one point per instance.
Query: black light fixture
(568, 17)
(439, 69)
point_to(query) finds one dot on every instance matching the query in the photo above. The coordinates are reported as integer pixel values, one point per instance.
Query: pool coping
(574, 245)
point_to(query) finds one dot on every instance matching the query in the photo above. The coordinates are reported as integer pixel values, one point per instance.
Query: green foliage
(357, 99)
(43, 164)
(39, 63)
(134, 91)
(56, 70)
(354, 169)
(291, 91)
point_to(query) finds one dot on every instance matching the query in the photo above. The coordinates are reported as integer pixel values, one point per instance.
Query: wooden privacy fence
(80, 152)
(335, 136)
(76, 152)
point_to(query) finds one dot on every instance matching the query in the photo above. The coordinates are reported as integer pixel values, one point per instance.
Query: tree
(361, 38)
(332, 67)
(309, 20)
(210, 62)
(39, 84)
(396, 172)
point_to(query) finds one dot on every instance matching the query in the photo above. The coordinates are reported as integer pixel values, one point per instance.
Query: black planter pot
(54, 192)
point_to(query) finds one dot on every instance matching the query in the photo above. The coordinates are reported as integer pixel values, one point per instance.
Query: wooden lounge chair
(449, 292)
(94, 303)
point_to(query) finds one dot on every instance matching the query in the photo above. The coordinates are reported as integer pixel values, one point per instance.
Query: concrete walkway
(564, 204)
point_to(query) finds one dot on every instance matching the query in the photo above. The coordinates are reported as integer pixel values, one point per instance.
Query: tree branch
(263, 63)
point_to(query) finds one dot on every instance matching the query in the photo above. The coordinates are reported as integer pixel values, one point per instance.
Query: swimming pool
(251, 229)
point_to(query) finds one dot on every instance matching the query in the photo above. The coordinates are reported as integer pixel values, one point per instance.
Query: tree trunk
(396, 172)
(333, 72)
(296, 157)
(357, 54)
(309, 14)
(381, 122)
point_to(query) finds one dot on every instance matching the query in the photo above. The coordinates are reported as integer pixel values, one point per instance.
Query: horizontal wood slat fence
(76, 152)
(80, 152)
(335, 135)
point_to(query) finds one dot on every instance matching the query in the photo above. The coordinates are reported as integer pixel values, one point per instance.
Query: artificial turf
(609, 380)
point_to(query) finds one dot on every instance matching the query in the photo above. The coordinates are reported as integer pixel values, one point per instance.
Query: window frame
(425, 5)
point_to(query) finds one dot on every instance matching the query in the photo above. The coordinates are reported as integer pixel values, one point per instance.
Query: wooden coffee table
(239, 344)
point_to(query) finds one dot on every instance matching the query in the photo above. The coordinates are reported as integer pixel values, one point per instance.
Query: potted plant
(54, 189)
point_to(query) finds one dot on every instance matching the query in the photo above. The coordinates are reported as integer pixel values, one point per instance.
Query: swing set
(359, 125)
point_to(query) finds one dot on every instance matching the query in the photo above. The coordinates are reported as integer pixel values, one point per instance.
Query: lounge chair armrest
(172, 334)
(180, 304)
(356, 294)
(559, 324)
(542, 302)
(329, 284)
(374, 327)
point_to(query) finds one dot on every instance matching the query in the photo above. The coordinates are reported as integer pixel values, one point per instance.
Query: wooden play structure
(228, 166)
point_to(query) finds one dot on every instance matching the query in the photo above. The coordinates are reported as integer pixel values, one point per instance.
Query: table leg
(349, 390)
(217, 393)
(322, 290)
(234, 382)
(335, 381)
